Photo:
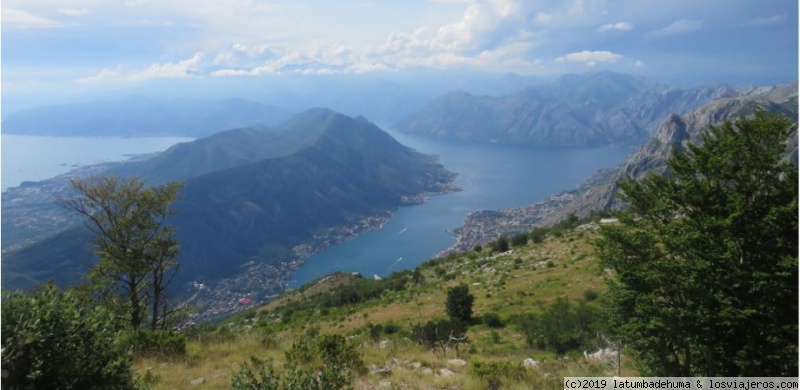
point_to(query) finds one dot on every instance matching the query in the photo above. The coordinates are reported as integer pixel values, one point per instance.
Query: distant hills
(576, 110)
(600, 191)
(138, 116)
(253, 195)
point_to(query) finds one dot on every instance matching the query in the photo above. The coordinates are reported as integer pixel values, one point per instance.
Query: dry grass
(514, 283)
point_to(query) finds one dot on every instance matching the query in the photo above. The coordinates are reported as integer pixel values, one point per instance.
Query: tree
(135, 245)
(501, 245)
(706, 257)
(54, 340)
(459, 303)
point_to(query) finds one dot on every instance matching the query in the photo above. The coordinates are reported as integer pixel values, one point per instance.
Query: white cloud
(73, 11)
(590, 58)
(619, 26)
(679, 27)
(768, 21)
(104, 75)
(638, 63)
(180, 69)
(18, 18)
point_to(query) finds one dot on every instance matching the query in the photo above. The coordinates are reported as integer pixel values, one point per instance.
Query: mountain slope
(343, 171)
(137, 116)
(592, 109)
(600, 191)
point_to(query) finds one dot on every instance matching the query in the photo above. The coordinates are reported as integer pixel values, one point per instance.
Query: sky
(53, 46)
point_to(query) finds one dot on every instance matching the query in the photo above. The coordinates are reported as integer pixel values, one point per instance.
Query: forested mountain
(576, 110)
(263, 194)
(138, 116)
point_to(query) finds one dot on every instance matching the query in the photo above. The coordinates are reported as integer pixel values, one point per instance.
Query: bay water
(491, 176)
(35, 158)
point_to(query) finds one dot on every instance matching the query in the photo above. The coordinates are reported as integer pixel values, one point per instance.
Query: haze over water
(491, 176)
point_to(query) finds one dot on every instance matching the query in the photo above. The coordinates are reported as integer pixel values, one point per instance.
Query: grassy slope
(512, 283)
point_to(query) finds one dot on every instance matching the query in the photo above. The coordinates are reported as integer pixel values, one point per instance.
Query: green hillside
(508, 287)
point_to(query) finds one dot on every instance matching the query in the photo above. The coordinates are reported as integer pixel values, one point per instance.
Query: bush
(538, 234)
(492, 320)
(561, 328)
(255, 375)
(459, 303)
(302, 371)
(436, 334)
(53, 339)
(520, 239)
(589, 295)
(501, 245)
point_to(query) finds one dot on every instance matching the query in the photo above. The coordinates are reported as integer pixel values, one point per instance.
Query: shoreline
(262, 282)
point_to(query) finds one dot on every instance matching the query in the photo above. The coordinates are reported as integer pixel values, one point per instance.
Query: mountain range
(138, 116)
(264, 194)
(600, 191)
(603, 108)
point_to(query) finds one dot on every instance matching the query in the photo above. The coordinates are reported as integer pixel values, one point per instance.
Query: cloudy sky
(84, 44)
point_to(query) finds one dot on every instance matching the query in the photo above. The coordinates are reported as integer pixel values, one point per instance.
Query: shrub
(520, 239)
(589, 295)
(501, 245)
(302, 371)
(538, 234)
(492, 320)
(561, 327)
(53, 339)
(255, 375)
(459, 303)
(437, 334)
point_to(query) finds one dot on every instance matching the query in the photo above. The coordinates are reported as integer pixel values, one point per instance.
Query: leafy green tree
(135, 245)
(706, 257)
(459, 303)
(55, 340)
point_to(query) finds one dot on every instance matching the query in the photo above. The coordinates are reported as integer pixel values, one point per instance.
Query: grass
(506, 284)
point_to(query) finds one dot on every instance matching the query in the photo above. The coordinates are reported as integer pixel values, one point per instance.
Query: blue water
(34, 158)
(491, 176)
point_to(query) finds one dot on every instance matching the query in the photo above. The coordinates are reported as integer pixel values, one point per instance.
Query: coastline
(260, 282)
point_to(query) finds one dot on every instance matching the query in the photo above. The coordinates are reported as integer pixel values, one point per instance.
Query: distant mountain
(138, 116)
(576, 110)
(677, 131)
(600, 191)
(266, 193)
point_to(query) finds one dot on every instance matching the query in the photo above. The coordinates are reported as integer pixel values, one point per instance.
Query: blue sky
(50, 45)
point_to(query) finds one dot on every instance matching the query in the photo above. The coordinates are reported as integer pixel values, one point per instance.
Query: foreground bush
(54, 340)
(329, 363)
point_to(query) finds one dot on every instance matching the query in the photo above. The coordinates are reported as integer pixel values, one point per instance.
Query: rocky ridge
(599, 192)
